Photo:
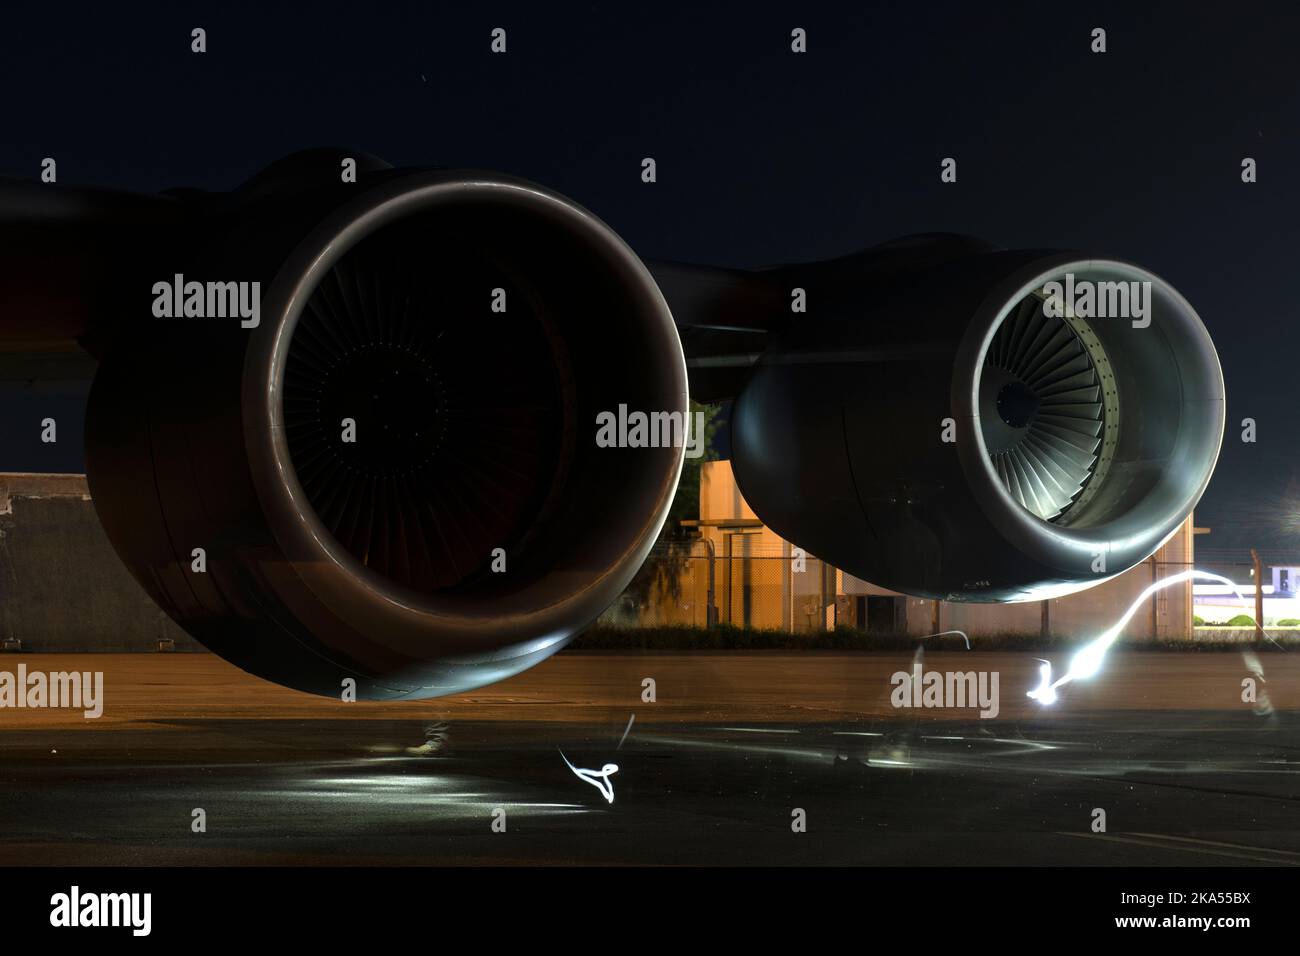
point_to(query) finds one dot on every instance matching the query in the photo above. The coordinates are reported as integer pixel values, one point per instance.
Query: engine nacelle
(392, 478)
(967, 424)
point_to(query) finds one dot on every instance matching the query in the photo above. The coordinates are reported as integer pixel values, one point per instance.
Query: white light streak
(597, 778)
(626, 731)
(945, 633)
(1088, 659)
(1045, 692)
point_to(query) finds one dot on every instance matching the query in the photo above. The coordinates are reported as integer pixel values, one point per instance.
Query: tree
(663, 569)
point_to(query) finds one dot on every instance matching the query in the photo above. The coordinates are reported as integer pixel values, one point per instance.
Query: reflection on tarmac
(1186, 775)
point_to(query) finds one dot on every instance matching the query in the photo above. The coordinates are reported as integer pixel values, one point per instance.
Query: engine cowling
(934, 426)
(470, 526)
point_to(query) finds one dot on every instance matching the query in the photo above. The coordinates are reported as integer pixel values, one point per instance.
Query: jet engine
(391, 477)
(958, 422)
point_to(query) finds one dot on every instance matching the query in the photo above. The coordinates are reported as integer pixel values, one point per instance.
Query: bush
(1242, 620)
(1288, 622)
(1198, 621)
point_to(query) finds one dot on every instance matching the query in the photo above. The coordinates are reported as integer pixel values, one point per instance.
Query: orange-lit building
(742, 573)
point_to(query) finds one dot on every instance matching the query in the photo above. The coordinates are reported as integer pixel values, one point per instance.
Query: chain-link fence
(737, 583)
(742, 586)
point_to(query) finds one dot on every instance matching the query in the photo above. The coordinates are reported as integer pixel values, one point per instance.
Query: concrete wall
(1166, 615)
(62, 586)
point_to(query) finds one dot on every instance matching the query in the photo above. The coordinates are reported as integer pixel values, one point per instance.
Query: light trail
(626, 731)
(945, 633)
(1088, 659)
(597, 778)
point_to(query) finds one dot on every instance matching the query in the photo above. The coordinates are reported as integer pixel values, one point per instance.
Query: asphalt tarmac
(732, 755)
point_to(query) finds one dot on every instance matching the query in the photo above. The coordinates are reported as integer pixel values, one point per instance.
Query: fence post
(1259, 594)
(1155, 596)
(710, 599)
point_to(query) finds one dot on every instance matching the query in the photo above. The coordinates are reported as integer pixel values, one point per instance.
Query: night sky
(763, 156)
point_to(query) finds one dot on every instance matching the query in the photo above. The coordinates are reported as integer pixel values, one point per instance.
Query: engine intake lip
(516, 627)
(1172, 402)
